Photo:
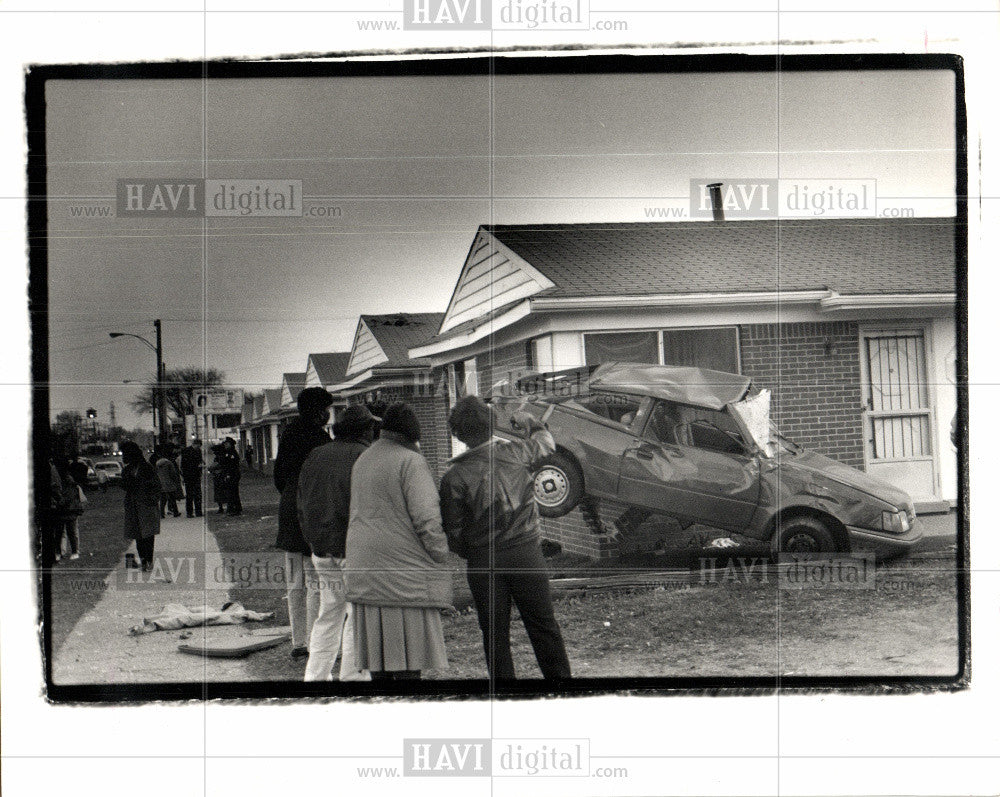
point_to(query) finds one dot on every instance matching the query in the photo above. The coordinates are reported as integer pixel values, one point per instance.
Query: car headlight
(896, 522)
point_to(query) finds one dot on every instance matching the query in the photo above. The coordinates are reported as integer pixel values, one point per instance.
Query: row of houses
(851, 323)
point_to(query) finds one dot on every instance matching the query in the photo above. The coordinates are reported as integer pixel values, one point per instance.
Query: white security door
(898, 424)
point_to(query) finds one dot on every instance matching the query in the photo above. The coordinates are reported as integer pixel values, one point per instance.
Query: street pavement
(99, 650)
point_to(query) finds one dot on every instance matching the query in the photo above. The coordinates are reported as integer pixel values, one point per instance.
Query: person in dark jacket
(491, 520)
(324, 502)
(303, 434)
(191, 467)
(230, 462)
(142, 502)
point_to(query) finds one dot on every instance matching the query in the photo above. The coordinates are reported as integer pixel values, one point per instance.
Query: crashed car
(699, 446)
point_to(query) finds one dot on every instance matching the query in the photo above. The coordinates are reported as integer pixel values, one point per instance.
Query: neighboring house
(380, 371)
(850, 322)
(327, 370)
(264, 430)
(291, 386)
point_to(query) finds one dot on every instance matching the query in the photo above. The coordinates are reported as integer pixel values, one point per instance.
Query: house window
(716, 348)
(630, 347)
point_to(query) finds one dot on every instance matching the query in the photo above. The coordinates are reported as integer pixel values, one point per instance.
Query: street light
(161, 399)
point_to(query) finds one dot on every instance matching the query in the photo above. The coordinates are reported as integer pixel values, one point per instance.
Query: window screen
(704, 348)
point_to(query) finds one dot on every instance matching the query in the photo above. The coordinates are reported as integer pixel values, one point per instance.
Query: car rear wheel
(804, 534)
(557, 486)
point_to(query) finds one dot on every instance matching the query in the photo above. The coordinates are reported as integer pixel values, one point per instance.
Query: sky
(412, 166)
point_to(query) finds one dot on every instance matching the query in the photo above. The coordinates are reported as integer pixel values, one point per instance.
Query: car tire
(804, 534)
(557, 485)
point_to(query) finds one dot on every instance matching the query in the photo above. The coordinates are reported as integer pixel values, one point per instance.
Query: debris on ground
(235, 647)
(174, 616)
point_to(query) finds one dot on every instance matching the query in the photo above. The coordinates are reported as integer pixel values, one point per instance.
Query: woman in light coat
(396, 548)
(142, 502)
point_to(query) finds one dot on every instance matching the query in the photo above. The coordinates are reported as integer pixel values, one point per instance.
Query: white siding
(286, 395)
(312, 378)
(941, 354)
(366, 352)
(491, 277)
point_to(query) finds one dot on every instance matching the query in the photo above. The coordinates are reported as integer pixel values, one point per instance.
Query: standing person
(142, 502)
(191, 467)
(395, 549)
(68, 513)
(324, 501)
(218, 478)
(170, 481)
(303, 434)
(231, 468)
(491, 520)
(52, 527)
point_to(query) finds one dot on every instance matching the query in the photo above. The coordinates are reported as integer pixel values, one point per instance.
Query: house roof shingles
(273, 396)
(330, 366)
(398, 332)
(849, 256)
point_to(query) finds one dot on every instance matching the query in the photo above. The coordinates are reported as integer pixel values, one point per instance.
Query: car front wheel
(804, 534)
(557, 486)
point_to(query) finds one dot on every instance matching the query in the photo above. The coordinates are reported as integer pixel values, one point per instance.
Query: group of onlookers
(362, 521)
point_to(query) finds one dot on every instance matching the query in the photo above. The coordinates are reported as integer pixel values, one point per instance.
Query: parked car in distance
(676, 441)
(111, 468)
(95, 477)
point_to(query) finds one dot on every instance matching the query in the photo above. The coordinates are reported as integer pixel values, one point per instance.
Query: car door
(597, 429)
(690, 463)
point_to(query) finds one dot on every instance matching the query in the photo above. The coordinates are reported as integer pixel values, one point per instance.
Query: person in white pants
(333, 631)
(323, 502)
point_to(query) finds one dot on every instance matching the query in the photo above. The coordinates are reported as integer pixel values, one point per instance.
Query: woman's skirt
(389, 639)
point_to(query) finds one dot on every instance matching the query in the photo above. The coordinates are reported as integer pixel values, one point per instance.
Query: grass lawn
(906, 625)
(76, 585)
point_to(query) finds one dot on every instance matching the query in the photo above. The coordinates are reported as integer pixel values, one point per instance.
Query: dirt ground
(906, 625)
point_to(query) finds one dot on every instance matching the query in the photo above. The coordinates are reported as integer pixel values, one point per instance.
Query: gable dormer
(493, 275)
(366, 352)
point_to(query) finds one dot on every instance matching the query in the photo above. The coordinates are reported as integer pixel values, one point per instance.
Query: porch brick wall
(814, 373)
(430, 404)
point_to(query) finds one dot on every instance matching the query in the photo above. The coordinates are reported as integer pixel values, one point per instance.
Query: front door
(898, 426)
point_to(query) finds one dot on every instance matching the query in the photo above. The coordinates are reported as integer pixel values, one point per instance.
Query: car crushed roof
(700, 387)
(685, 384)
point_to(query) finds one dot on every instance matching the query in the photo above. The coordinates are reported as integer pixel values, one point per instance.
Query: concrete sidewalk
(100, 650)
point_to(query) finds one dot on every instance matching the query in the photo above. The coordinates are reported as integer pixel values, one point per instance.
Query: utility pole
(161, 382)
(111, 414)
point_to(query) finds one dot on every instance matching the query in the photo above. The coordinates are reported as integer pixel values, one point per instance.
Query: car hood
(812, 463)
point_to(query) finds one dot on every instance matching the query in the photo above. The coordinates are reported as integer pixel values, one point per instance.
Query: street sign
(218, 401)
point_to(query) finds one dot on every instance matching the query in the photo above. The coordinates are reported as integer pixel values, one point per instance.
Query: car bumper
(883, 544)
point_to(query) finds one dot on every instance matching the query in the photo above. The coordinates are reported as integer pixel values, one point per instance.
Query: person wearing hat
(396, 581)
(303, 434)
(324, 502)
(491, 520)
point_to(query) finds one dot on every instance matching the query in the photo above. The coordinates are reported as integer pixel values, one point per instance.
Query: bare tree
(181, 385)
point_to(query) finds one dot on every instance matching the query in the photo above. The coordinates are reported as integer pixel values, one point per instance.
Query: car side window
(679, 424)
(663, 423)
(612, 406)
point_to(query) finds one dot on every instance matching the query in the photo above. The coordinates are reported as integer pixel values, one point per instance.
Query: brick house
(380, 371)
(850, 323)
